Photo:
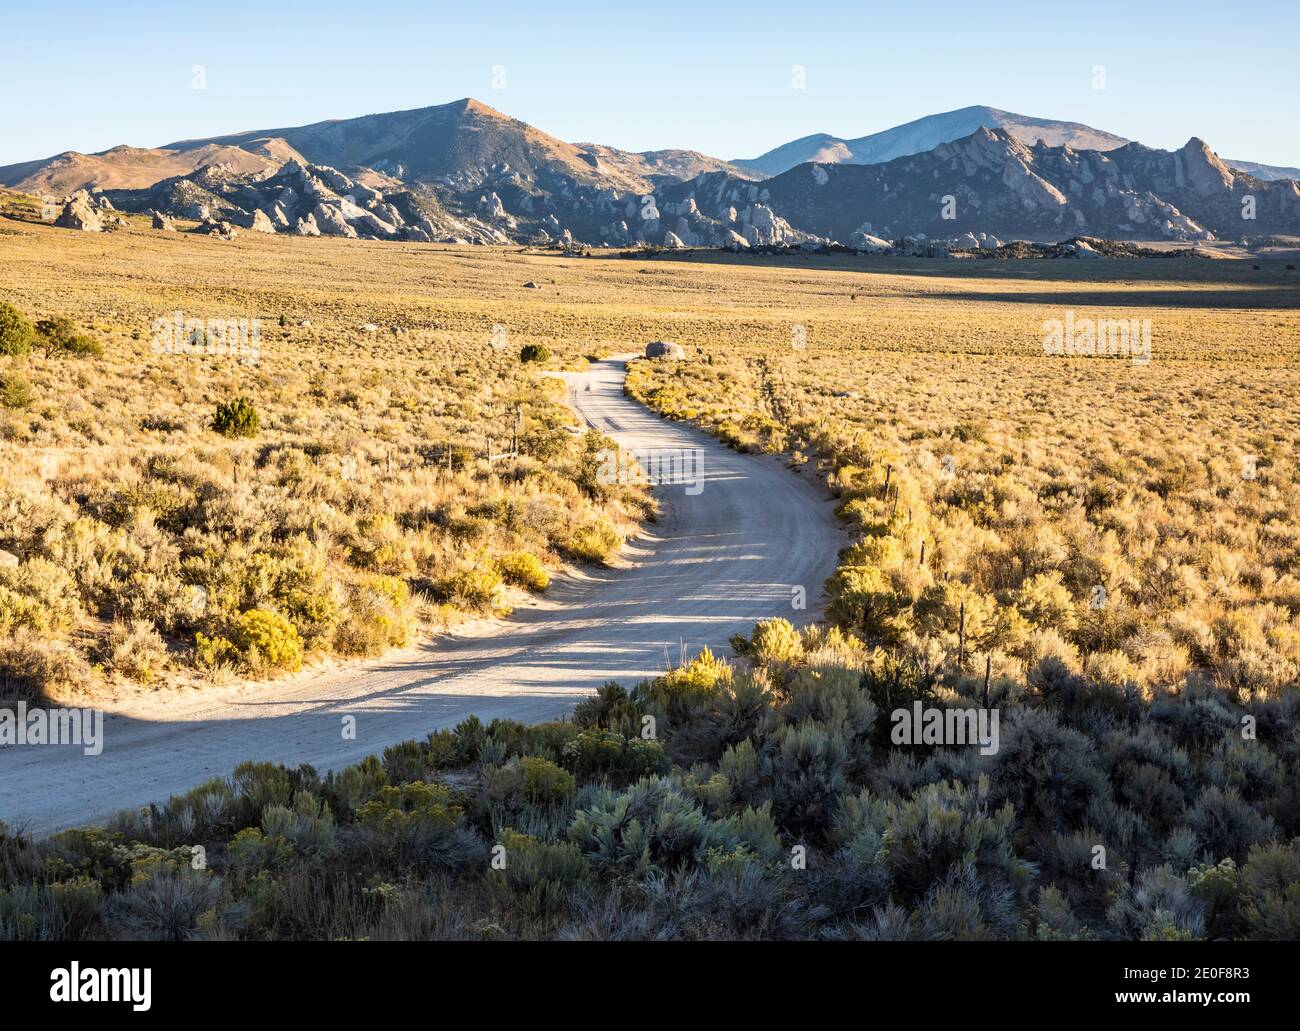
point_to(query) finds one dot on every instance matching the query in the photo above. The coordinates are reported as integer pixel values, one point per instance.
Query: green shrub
(58, 336)
(475, 588)
(1270, 883)
(15, 331)
(698, 679)
(596, 542)
(544, 782)
(136, 650)
(523, 569)
(266, 640)
(237, 418)
(537, 877)
(165, 903)
(601, 754)
(15, 391)
(418, 822)
(378, 616)
(534, 353)
(62, 911)
(776, 640)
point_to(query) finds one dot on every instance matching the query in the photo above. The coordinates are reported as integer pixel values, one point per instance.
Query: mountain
(464, 172)
(128, 168)
(1001, 186)
(1268, 173)
(460, 144)
(926, 134)
(659, 166)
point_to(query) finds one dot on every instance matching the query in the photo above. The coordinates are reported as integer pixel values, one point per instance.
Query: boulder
(673, 242)
(307, 226)
(363, 221)
(8, 560)
(161, 221)
(330, 221)
(105, 204)
(220, 229)
(78, 213)
(490, 205)
(664, 349)
(867, 244)
(262, 222)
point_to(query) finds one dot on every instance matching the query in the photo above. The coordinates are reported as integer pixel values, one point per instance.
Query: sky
(725, 78)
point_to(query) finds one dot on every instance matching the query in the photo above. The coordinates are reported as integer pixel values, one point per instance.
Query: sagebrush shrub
(524, 569)
(136, 650)
(776, 640)
(15, 331)
(15, 391)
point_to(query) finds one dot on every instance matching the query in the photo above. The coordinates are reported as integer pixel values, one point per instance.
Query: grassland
(1133, 520)
(992, 491)
(363, 509)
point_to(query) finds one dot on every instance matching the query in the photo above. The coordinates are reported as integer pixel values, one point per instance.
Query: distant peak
(476, 107)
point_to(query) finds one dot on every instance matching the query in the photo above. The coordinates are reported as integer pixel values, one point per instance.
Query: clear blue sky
(714, 77)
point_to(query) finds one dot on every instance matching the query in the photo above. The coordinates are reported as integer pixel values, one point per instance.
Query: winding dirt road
(726, 551)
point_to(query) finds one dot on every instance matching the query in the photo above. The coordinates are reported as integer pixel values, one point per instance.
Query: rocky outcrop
(221, 229)
(261, 222)
(161, 221)
(329, 219)
(865, 243)
(79, 213)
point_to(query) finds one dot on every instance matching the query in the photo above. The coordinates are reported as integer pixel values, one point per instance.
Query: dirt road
(729, 548)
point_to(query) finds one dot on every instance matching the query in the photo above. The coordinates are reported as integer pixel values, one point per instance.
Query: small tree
(237, 418)
(58, 336)
(15, 331)
(534, 353)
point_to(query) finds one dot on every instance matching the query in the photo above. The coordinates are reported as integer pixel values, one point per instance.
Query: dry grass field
(1131, 520)
(363, 506)
(1103, 550)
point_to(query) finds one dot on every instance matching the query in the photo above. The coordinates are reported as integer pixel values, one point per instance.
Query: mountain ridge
(924, 134)
(465, 172)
